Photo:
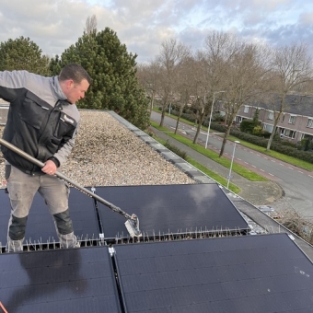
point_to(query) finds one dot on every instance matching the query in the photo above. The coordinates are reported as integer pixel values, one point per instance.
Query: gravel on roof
(108, 154)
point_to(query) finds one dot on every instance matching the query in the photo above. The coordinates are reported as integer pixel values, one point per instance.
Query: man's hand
(50, 168)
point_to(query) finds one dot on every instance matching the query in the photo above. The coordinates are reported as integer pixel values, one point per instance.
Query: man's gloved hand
(50, 167)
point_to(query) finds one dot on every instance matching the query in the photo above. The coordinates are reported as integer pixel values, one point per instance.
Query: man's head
(74, 82)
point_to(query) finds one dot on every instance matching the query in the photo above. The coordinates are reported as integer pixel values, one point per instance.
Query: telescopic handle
(63, 177)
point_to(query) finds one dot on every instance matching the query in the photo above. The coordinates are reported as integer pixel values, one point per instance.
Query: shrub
(247, 126)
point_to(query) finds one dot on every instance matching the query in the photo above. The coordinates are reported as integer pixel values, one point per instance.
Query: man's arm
(9, 83)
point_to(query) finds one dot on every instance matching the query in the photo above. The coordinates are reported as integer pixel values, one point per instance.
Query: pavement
(257, 193)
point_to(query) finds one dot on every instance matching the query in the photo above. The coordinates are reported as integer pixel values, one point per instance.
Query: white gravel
(108, 154)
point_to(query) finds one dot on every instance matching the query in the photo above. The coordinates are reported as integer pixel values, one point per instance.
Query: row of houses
(295, 122)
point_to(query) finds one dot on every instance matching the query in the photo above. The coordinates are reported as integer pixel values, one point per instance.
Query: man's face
(75, 92)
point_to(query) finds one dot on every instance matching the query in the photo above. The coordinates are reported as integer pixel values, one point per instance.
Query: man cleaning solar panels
(42, 121)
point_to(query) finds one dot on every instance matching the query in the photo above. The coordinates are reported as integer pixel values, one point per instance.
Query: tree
(183, 86)
(247, 68)
(148, 76)
(292, 67)
(113, 71)
(91, 25)
(23, 54)
(172, 53)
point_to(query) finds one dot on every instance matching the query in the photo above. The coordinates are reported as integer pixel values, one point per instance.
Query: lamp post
(208, 134)
(231, 163)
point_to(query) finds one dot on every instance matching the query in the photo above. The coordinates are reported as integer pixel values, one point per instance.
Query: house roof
(295, 104)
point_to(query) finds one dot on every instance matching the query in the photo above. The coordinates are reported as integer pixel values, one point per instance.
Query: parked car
(268, 210)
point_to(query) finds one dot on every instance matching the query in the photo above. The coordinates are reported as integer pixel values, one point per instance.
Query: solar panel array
(242, 273)
(163, 209)
(260, 274)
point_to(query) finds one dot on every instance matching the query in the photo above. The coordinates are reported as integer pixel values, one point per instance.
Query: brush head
(132, 226)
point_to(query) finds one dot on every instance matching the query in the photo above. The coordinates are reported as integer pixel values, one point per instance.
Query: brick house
(295, 123)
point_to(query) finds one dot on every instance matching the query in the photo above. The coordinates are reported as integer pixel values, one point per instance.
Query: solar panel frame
(65, 280)
(198, 276)
(40, 227)
(170, 209)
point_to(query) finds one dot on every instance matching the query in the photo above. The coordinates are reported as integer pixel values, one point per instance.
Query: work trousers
(22, 189)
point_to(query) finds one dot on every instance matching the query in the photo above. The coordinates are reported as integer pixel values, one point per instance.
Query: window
(283, 118)
(289, 133)
(270, 115)
(246, 109)
(310, 123)
(292, 119)
(268, 127)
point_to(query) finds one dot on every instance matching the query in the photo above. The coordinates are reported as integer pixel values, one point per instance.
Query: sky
(142, 25)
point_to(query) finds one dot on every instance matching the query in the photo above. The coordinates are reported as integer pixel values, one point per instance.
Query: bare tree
(91, 25)
(247, 68)
(148, 76)
(183, 86)
(200, 99)
(292, 67)
(172, 53)
(218, 53)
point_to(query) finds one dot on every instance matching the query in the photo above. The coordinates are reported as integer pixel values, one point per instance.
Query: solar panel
(166, 209)
(40, 227)
(73, 280)
(266, 273)
(5, 209)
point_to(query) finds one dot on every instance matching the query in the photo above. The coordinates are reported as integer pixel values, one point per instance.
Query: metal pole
(209, 127)
(208, 134)
(231, 163)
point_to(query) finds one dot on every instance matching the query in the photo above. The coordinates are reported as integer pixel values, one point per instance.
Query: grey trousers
(22, 189)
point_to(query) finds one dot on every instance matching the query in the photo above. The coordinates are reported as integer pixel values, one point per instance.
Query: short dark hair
(75, 72)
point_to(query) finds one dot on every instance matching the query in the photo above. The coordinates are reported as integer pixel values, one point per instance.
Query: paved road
(296, 183)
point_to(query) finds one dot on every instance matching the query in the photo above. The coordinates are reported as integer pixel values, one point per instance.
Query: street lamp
(231, 163)
(208, 134)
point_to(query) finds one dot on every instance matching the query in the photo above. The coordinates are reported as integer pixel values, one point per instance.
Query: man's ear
(69, 83)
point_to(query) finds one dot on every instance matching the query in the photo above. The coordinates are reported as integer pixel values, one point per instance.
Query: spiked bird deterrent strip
(132, 223)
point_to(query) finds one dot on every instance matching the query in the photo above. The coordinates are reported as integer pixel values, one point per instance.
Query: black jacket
(40, 121)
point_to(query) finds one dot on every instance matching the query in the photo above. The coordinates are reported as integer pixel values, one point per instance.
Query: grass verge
(212, 155)
(285, 158)
(221, 180)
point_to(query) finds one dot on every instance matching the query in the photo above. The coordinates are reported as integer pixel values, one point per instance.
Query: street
(295, 182)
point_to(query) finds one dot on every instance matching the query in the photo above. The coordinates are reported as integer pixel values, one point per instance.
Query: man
(42, 121)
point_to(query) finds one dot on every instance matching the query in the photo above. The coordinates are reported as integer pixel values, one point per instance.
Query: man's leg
(55, 192)
(22, 188)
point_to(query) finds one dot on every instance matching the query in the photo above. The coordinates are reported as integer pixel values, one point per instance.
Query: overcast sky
(143, 24)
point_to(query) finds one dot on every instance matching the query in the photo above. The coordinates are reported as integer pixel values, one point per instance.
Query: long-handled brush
(132, 223)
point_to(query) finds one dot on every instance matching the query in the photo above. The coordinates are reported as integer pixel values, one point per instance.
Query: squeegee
(132, 223)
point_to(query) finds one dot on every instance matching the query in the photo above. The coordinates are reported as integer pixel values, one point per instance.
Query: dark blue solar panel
(40, 226)
(73, 280)
(257, 274)
(170, 209)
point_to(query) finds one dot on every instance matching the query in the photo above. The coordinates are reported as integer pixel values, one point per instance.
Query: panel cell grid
(216, 275)
(40, 226)
(170, 209)
(63, 281)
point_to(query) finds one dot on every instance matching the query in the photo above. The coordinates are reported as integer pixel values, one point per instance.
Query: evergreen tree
(23, 54)
(113, 70)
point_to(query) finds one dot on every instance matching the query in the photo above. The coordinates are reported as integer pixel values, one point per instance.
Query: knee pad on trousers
(63, 222)
(17, 227)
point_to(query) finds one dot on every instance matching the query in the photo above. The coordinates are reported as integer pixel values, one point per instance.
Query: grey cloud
(143, 24)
